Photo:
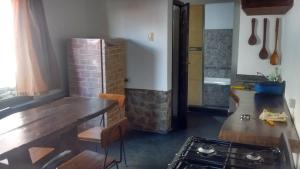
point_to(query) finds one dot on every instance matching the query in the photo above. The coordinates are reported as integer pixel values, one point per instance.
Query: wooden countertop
(256, 131)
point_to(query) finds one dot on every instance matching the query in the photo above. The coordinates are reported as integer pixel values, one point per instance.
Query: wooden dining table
(51, 124)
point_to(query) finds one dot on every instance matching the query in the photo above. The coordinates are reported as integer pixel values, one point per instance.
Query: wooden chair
(115, 97)
(93, 160)
(4, 164)
(38, 153)
(58, 160)
(94, 134)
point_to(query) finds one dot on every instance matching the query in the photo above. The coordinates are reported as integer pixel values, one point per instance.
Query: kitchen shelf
(267, 7)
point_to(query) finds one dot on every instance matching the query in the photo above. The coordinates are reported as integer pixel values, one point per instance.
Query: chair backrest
(114, 97)
(114, 133)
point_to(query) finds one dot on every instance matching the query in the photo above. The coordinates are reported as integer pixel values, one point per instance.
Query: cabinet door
(114, 69)
(196, 26)
(195, 78)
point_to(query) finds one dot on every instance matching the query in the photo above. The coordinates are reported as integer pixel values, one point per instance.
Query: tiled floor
(155, 151)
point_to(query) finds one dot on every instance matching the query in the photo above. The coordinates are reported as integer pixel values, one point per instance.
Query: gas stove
(199, 153)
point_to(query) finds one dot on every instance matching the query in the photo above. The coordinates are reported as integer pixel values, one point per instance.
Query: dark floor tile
(155, 151)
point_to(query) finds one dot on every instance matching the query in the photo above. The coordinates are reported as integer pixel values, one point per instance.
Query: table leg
(19, 159)
(70, 141)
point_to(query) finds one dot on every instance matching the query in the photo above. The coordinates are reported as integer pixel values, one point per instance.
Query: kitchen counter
(256, 131)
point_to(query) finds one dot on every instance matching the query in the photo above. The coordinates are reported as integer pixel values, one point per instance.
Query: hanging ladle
(275, 57)
(263, 54)
(252, 40)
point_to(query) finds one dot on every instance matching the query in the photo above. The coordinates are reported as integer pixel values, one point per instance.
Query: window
(7, 51)
(30, 64)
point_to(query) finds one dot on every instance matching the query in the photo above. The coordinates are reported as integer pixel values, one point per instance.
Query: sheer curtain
(37, 66)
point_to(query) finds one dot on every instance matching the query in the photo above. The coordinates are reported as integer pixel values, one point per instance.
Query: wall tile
(149, 110)
(217, 63)
(217, 52)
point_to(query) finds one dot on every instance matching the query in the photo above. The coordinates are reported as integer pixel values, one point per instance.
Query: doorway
(180, 64)
(202, 55)
(210, 56)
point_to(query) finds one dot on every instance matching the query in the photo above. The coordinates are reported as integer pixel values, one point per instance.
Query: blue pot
(272, 88)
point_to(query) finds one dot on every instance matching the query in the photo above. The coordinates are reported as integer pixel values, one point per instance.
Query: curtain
(37, 66)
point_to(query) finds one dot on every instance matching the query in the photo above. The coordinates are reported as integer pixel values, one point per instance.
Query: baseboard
(216, 111)
(151, 131)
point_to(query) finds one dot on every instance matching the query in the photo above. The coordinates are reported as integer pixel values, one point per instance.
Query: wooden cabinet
(256, 131)
(267, 7)
(96, 66)
(195, 68)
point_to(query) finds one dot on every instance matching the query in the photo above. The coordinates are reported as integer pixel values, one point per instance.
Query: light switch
(151, 36)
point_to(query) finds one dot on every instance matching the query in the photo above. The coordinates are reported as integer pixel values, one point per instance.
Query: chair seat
(91, 135)
(37, 153)
(4, 163)
(87, 160)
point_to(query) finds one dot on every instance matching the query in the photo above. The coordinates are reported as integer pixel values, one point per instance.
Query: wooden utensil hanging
(263, 54)
(275, 57)
(252, 40)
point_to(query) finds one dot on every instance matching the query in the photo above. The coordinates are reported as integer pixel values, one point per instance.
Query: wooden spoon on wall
(252, 40)
(263, 54)
(275, 57)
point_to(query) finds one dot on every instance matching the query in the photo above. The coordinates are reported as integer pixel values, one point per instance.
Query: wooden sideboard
(256, 131)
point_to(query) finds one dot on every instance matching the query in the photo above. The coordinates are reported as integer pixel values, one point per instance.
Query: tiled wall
(86, 75)
(217, 63)
(217, 53)
(216, 95)
(149, 110)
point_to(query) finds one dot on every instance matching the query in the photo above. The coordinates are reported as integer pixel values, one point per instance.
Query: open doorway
(210, 56)
(205, 85)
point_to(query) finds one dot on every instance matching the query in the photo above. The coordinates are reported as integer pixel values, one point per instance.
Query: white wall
(205, 1)
(249, 62)
(148, 62)
(170, 44)
(235, 38)
(291, 57)
(219, 15)
(74, 18)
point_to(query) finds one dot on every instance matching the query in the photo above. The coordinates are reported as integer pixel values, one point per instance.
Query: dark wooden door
(182, 66)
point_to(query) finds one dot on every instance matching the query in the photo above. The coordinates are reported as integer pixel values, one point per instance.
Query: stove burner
(276, 151)
(254, 157)
(206, 149)
(198, 153)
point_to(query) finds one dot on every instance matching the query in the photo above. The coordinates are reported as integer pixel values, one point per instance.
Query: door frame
(180, 122)
(178, 3)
